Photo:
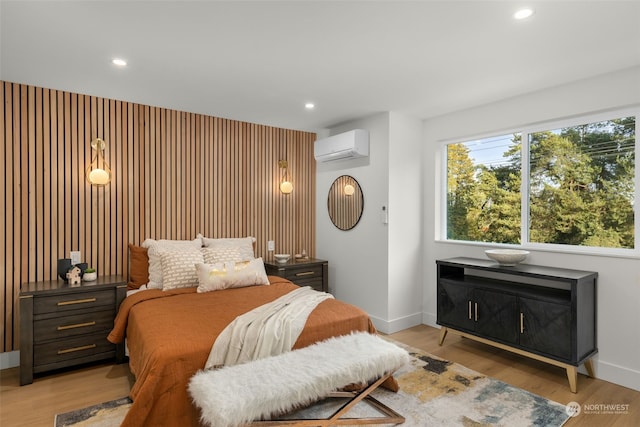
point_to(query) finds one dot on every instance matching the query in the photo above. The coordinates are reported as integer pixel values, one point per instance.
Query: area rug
(108, 414)
(433, 392)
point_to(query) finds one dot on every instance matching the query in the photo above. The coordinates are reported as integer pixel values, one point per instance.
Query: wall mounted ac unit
(347, 145)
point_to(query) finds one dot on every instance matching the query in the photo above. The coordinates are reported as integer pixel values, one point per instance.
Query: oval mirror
(345, 202)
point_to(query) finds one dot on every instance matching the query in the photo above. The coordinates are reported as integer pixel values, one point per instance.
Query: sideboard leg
(572, 375)
(443, 335)
(588, 364)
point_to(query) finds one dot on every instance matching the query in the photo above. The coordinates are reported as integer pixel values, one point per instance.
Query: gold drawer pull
(71, 350)
(306, 273)
(77, 301)
(521, 323)
(77, 325)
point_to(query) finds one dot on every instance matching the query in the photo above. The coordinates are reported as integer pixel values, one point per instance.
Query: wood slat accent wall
(175, 174)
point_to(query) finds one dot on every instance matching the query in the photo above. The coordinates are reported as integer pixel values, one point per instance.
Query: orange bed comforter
(170, 334)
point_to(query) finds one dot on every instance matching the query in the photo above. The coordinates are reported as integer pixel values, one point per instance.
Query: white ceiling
(261, 61)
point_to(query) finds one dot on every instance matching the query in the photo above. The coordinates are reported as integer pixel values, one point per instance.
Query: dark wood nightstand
(63, 325)
(305, 272)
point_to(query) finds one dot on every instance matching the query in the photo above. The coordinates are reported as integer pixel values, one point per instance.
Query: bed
(170, 334)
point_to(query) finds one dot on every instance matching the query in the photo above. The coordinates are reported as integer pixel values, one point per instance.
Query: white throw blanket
(268, 330)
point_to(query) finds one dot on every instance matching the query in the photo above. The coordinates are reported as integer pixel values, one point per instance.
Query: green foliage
(581, 189)
(461, 186)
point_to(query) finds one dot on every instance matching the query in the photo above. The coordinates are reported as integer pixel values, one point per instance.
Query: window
(572, 184)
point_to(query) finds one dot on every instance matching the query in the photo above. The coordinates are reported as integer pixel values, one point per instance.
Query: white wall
(405, 222)
(377, 266)
(618, 316)
(358, 267)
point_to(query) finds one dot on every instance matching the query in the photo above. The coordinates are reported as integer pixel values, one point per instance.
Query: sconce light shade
(286, 187)
(349, 190)
(98, 172)
(99, 177)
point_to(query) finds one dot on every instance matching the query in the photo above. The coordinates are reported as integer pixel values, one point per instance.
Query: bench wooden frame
(391, 416)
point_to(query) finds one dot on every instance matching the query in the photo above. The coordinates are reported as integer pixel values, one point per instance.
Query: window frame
(524, 132)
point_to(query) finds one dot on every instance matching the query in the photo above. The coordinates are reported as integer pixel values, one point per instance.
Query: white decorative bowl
(507, 257)
(282, 258)
(90, 277)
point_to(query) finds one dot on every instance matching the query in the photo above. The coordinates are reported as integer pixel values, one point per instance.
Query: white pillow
(224, 250)
(155, 246)
(179, 268)
(213, 277)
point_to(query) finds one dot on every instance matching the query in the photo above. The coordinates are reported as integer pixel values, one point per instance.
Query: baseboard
(618, 375)
(10, 359)
(392, 326)
(430, 319)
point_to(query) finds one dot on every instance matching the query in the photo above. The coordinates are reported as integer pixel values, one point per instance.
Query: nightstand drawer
(303, 272)
(71, 348)
(74, 301)
(314, 283)
(68, 326)
(306, 273)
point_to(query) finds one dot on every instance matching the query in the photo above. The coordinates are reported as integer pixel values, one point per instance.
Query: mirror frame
(345, 211)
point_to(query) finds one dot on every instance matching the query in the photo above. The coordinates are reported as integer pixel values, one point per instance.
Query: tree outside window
(579, 186)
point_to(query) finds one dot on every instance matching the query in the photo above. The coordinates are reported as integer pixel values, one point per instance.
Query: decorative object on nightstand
(63, 325)
(64, 265)
(282, 258)
(301, 256)
(90, 275)
(82, 266)
(73, 275)
(303, 272)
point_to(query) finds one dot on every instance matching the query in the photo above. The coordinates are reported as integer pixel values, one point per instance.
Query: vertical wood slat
(4, 232)
(174, 174)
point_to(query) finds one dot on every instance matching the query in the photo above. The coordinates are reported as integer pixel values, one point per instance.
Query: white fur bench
(237, 395)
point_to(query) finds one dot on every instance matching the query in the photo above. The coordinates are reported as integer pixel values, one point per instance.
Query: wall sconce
(98, 172)
(286, 187)
(349, 190)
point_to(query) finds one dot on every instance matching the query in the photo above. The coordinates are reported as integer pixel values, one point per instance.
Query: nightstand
(63, 325)
(305, 272)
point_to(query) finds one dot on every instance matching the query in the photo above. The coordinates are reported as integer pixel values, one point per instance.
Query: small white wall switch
(271, 246)
(384, 215)
(75, 257)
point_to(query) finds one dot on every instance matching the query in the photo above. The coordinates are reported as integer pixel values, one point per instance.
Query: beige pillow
(224, 250)
(179, 268)
(155, 246)
(214, 277)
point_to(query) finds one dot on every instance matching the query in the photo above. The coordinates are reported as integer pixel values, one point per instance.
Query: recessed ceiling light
(119, 62)
(523, 13)
(309, 106)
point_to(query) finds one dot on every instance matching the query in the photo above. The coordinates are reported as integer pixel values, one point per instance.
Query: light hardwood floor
(36, 404)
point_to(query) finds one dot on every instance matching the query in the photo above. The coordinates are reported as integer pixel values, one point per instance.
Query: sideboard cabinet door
(545, 327)
(496, 315)
(455, 307)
